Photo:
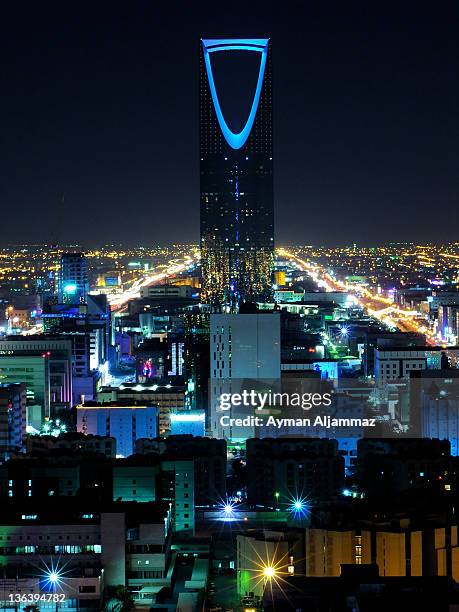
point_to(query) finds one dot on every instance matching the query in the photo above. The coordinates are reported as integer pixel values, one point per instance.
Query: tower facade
(73, 279)
(236, 168)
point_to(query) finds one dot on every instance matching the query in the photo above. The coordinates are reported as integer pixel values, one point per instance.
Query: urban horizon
(260, 413)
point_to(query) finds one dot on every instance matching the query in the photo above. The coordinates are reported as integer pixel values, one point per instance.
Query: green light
(277, 494)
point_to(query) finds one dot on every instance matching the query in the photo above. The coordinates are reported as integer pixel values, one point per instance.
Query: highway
(375, 305)
(119, 300)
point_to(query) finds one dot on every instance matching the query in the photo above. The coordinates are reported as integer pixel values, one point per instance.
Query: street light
(269, 572)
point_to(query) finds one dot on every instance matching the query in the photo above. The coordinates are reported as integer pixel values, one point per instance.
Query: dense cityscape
(232, 422)
(109, 396)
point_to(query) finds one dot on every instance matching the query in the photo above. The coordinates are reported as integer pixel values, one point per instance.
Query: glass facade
(236, 174)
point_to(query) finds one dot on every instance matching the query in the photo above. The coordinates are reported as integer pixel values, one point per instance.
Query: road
(119, 300)
(375, 305)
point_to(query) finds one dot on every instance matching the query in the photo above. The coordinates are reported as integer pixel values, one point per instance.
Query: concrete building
(135, 479)
(392, 364)
(391, 466)
(163, 292)
(124, 422)
(402, 551)
(282, 470)
(208, 455)
(33, 370)
(75, 442)
(434, 405)
(262, 552)
(169, 399)
(182, 494)
(127, 544)
(245, 349)
(360, 588)
(64, 474)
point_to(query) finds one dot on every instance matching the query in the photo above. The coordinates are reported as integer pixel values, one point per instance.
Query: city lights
(269, 572)
(220, 423)
(299, 506)
(228, 511)
(70, 288)
(52, 577)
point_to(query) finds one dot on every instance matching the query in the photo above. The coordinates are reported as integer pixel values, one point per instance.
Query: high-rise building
(245, 351)
(237, 212)
(12, 417)
(73, 279)
(33, 369)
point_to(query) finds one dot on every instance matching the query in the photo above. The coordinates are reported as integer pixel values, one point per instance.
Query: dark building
(293, 468)
(153, 360)
(12, 417)
(206, 454)
(389, 467)
(360, 588)
(237, 217)
(197, 359)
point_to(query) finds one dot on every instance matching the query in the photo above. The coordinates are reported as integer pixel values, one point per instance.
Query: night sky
(99, 104)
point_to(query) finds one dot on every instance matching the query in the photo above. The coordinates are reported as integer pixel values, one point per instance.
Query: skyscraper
(73, 279)
(237, 212)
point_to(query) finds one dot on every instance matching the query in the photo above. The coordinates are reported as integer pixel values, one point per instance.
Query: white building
(245, 350)
(391, 364)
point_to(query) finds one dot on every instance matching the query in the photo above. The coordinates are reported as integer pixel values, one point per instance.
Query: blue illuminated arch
(260, 45)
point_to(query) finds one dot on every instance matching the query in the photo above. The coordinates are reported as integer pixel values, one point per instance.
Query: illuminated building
(34, 370)
(125, 423)
(165, 292)
(12, 417)
(168, 398)
(73, 279)
(434, 397)
(265, 557)
(197, 359)
(181, 473)
(74, 358)
(57, 351)
(134, 479)
(279, 278)
(237, 219)
(242, 346)
(397, 551)
(126, 543)
(288, 295)
(153, 361)
(188, 422)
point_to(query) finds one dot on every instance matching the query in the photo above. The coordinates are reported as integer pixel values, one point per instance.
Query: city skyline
(229, 307)
(365, 126)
